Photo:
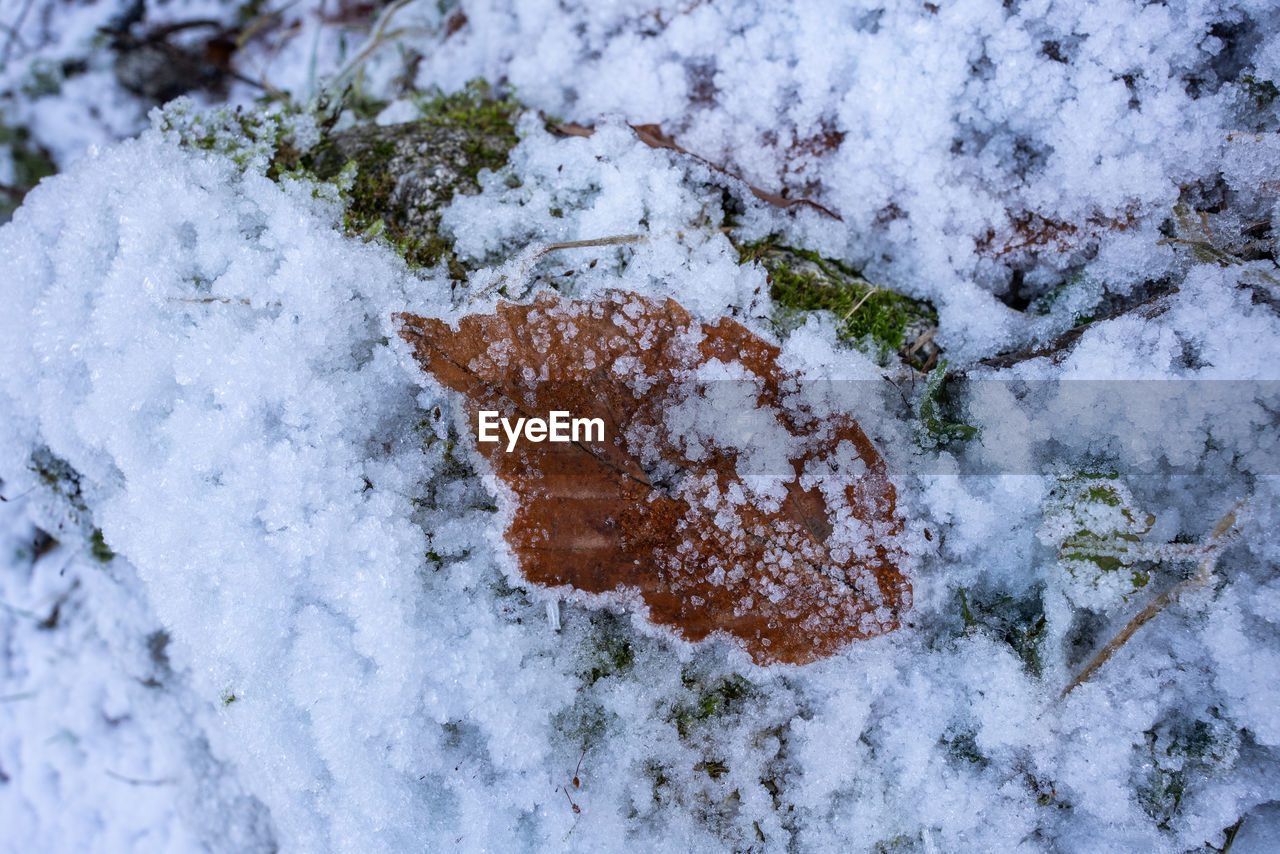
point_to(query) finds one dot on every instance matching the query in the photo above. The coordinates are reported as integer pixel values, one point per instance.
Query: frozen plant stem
(376, 39)
(534, 252)
(617, 240)
(1205, 572)
(221, 301)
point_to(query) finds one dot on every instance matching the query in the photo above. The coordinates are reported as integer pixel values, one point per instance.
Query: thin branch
(617, 240)
(1205, 572)
(925, 338)
(535, 251)
(261, 22)
(203, 300)
(23, 695)
(133, 781)
(13, 32)
(222, 301)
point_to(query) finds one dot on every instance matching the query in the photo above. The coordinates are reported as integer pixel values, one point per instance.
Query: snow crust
(307, 639)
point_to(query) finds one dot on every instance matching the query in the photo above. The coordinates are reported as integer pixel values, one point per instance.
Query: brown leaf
(653, 136)
(649, 519)
(456, 22)
(1031, 233)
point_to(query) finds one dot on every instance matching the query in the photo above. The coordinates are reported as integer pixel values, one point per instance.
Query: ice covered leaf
(714, 499)
(1092, 522)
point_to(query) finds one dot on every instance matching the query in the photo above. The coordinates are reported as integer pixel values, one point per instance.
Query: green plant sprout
(937, 430)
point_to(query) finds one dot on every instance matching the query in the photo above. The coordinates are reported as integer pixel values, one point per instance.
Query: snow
(309, 636)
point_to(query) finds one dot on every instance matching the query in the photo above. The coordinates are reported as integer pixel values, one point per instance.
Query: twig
(260, 22)
(133, 781)
(16, 497)
(222, 301)
(925, 338)
(374, 41)
(617, 240)
(1225, 524)
(534, 252)
(13, 32)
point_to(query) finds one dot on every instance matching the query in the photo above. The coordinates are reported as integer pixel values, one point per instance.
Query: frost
(252, 595)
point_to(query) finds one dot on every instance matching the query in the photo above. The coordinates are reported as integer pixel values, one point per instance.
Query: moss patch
(708, 699)
(1018, 622)
(30, 164)
(877, 321)
(612, 653)
(98, 547)
(406, 174)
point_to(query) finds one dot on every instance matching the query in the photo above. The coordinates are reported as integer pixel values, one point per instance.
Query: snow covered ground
(250, 595)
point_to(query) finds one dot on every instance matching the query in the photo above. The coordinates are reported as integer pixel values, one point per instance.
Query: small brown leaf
(456, 22)
(1029, 233)
(648, 515)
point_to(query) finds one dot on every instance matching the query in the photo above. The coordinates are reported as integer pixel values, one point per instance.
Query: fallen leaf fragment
(1031, 233)
(792, 570)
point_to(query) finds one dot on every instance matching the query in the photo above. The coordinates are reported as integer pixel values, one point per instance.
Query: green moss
(613, 657)
(31, 163)
(586, 722)
(98, 547)
(1176, 756)
(228, 697)
(1056, 300)
(44, 79)
(503, 589)
(658, 779)
(707, 700)
(713, 768)
(962, 747)
(61, 479)
(900, 844)
(1017, 622)
(454, 139)
(259, 140)
(479, 110)
(1263, 93)
(878, 321)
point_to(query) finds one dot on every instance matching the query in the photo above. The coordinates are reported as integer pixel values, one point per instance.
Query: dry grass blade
(857, 305)
(377, 39)
(1203, 574)
(532, 253)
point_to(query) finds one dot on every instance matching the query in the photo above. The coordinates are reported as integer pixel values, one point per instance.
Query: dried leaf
(456, 22)
(1030, 232)
(650, 519)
